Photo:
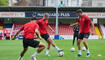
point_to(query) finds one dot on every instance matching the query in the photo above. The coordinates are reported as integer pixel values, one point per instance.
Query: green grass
(10, 50)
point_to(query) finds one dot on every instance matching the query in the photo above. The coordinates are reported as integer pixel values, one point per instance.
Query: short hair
(46, 14)
(34, 18)
(79, 10)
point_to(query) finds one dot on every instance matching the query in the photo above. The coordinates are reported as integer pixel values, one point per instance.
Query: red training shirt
(29, 29)
(84, 24)
(42, 26)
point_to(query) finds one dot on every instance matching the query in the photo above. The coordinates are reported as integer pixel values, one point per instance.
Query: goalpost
(57, 17)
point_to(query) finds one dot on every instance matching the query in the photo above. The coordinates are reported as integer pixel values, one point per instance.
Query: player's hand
(71, 25)
(53, 31)
(40, 38)
(92, 33)
(13, 38)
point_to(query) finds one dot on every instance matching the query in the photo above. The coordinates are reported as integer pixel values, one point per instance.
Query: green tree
(4, 3)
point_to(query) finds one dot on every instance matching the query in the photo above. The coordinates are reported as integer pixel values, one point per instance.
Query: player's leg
(50, 41)
(25, 48)
(48, 48)
(73, 40)
(41, 47)
(86, 36)
(79, 44)
(86, 46)
(22, 53)
(54, 45)
(79, 47)
(85, 42)
(77, 40)
(47, 38)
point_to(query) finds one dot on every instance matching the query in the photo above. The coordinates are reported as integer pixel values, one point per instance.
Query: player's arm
(74, 29)
(78, 28)
(38, 34)
(21, 28)
(50, 28)
(92, 24)
(16, 34)
(77, 23)
(38, 22)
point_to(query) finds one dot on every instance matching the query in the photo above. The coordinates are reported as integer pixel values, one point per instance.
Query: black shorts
(83, 35)
(30, 42)
(45, 36)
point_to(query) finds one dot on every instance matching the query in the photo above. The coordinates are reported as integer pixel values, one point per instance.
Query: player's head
(46, 16)
(61, 2)
(79, 12)
(33, 19)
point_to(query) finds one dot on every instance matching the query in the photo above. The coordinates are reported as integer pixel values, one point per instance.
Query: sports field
(10, 50)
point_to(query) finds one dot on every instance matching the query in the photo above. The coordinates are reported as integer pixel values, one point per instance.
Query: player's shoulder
(84, 15)
(33, 22)
(25, 24)
(41, 19)
(46, 20)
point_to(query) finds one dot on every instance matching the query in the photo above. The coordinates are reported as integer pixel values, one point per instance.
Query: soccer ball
(72, 49)
(61, 54)
(83, 49)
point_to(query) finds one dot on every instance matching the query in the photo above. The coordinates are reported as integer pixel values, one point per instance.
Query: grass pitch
(10, 50)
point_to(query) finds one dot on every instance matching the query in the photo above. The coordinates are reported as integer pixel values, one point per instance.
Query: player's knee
(84, 41)
(49, 39)
(43, 45)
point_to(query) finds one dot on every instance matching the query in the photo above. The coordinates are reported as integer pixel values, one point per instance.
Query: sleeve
(39, 21)
(22, 27)
(37, 28)
(47, 22)
(88, 19)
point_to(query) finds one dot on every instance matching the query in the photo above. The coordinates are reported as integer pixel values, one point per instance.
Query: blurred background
(52, 3)
(15, 13)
